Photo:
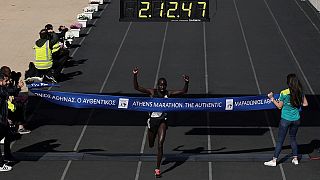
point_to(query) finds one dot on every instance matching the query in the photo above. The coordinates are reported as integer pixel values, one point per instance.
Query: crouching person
(59, 54)
(43, 57)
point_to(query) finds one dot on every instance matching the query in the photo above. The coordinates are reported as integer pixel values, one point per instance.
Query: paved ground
(248, 48)
(21, 22)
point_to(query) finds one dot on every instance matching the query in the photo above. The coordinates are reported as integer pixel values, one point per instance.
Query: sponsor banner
(79, 100)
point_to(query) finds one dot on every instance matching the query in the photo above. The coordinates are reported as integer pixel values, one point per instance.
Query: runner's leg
(161, 138)
(151, 138)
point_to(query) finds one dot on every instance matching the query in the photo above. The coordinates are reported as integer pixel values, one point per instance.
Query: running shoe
(34, 79)
(295, 161)
(23, 131)
(5, 168)
(157, 173)
(270, 163)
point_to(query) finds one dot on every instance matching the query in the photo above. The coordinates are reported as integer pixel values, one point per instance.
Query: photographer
(16, 102)
(62, 32)
(4, 124)
(62, 36)
(43, 57)
(5, 131)
(58, 52)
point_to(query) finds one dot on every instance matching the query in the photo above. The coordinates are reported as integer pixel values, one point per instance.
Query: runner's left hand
(186, 78)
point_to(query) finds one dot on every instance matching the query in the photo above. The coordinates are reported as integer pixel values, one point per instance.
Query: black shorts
(154, 123)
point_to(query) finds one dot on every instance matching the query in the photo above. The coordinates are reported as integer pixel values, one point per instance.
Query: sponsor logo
(123, 103)
(229, 104)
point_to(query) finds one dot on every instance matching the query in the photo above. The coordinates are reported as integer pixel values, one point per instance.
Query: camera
(15, 77)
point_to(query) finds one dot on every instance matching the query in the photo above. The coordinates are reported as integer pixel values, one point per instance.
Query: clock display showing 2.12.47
(164, 10)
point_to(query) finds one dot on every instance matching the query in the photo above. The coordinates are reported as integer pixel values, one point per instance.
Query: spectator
(62, 33)
(290, 101)
(43, 56)
(16, 103)
(4, 124)
(58, 52)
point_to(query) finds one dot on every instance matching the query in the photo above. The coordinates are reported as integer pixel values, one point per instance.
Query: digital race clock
(164, 10)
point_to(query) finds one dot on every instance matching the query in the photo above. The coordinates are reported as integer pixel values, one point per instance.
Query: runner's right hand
(135, 70)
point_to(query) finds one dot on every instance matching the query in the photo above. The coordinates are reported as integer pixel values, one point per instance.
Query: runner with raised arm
(157, 124)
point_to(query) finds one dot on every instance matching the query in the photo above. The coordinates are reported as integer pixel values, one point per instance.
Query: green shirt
(288, 111)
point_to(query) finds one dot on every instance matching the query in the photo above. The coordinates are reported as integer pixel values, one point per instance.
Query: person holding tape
(157, 124)
(290, 102)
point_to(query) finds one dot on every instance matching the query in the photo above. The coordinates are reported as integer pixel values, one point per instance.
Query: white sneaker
(34, 79)
(270, 163)
(23, 131)
(295, 161)
(5, 168)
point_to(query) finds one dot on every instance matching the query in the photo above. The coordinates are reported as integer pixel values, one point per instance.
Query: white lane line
(295, 60)
(307, 16)
(114, 59)
(161, 55)
(257, 84)
(141, 151)
(155, 85)
(94, 22)
(66, 170)
(207, 92)
(313, 9)
(290, 49)
(247, 48)
(206, 76)
(92, 111)
(73, 53)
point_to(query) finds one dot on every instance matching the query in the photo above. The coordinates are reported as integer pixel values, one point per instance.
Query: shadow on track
(184, 158)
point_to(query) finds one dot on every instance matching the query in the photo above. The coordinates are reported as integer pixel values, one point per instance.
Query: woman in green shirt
(290, 102)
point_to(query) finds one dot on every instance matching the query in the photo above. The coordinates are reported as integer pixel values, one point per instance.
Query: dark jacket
(5, 92)
(41, 42)
(53, 39)
(4, 95)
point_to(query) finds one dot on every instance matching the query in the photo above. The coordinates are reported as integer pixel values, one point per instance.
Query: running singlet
(159, 114)
(156, 118)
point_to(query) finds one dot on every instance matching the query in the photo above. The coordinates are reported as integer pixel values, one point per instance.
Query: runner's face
(162, 85)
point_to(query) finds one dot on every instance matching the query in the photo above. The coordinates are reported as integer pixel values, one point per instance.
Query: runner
(157, 124)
